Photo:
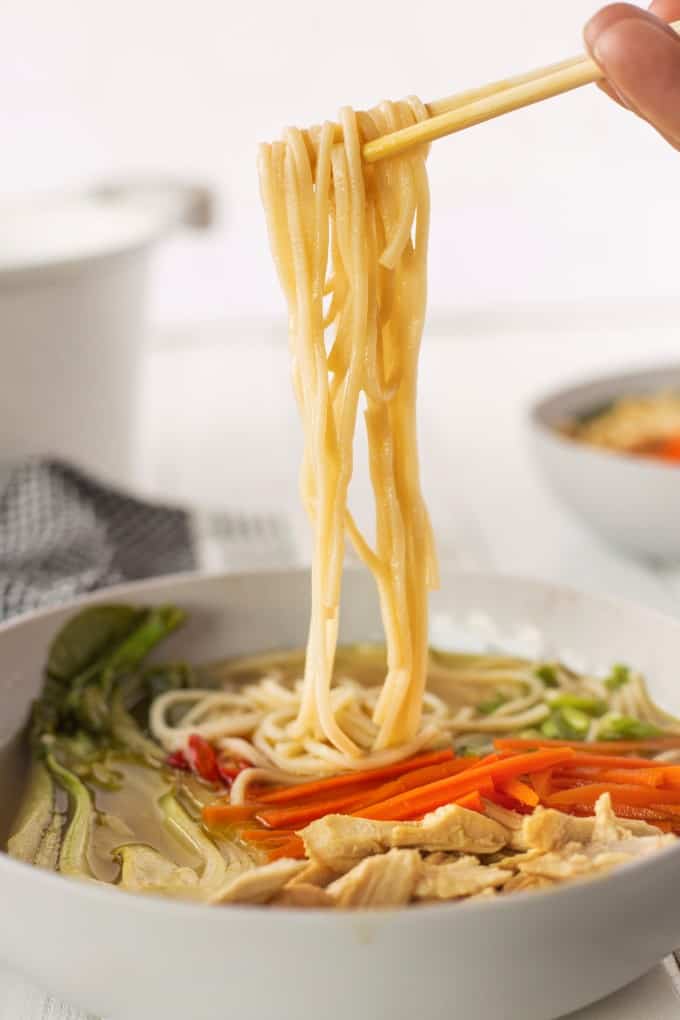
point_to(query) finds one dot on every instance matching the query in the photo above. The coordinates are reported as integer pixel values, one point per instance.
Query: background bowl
(527, 957)
(631, 502)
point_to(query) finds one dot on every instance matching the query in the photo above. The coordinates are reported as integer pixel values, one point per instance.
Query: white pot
(73, 273)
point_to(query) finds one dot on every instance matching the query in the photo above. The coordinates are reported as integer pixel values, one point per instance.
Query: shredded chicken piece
(259, 885)
(527, 883)
(315, 874)
(302, 894)
(464, 877)
(490, 893)
(452, 828)
(510, 819)
(547, 829)
(383, 880)
(338, 841)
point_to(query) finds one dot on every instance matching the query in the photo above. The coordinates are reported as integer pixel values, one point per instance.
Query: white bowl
(631, 502)
(527, 957)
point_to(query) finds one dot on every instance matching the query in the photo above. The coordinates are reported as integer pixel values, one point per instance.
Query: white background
(571, 199)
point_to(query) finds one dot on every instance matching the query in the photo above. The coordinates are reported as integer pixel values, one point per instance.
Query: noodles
(355, 238)
(470, 700)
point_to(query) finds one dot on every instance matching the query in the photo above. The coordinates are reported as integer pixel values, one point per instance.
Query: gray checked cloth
(63, 534)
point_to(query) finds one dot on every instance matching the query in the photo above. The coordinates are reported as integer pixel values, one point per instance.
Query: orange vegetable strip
(670, 743)
(667, 809)
(302, 814)
(444, 791)
(294, 847)
(636, 795)
(220, 813)
(637, 777)
(322, 787)
(472, 801)
(599, 761)
(266, 835)
(520, 792)
(484, 787)
(542, 783)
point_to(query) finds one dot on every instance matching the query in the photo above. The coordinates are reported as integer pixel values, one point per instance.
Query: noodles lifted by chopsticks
(350, 246)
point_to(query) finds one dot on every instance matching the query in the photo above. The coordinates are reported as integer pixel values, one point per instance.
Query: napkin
(63, 534)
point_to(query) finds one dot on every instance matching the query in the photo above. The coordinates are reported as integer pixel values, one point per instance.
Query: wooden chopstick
(459, 99)
(465, 110)
(454, 102)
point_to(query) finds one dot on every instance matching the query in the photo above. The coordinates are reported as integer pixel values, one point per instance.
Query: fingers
(640, 56)
(667, 10)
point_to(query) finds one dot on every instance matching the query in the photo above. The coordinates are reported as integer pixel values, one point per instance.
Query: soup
(159, 779)
(645, 426)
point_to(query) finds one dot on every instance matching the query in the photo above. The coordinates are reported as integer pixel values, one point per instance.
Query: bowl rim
(185, 911)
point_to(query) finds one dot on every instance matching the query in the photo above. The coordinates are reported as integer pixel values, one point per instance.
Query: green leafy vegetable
(591, 706)
(624, 727)
(490, 706)
(73, 856)
(566, 724)
(90, 657)
(548, 675)
(190, 833)
(144, 869)
(35, 816)
(577, 721)
(619, 677)
(87, 636)
(50, 845)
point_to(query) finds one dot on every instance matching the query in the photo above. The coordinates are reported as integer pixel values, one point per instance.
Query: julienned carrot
(472, 801)
(220, 813)
(637, 795)
(445, 791)
(542, 783)
(294, 847)
(668, 809)
(323, 787)
(641, 777)
(661, 818)
(670, 743)
(301, 814)
(266, 835)
(520, 792)
(582, 759)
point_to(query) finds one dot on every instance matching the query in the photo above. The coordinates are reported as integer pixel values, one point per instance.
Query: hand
(640, 56)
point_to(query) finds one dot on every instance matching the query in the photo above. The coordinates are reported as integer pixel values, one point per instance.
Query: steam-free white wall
(571, 199)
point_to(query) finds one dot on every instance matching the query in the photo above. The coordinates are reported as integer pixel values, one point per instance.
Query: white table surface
(219, 430)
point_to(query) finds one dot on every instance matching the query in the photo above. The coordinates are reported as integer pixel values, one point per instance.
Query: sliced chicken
(302, 894)
(464, 877)
(315, 874)
(452, 829)
(527, 883)
(512, 820)
(260, 885)
(547, 829)
(338, 840)
(383, 880)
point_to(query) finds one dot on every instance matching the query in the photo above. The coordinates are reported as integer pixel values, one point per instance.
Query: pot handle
(166, 203)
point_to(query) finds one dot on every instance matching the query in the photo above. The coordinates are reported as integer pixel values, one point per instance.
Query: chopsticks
(464, 110)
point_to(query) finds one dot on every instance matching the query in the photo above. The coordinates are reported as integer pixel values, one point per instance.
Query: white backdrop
(570, 199)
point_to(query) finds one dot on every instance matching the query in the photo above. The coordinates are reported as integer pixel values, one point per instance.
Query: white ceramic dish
(527, 957)
(73, 287)
(631, 502)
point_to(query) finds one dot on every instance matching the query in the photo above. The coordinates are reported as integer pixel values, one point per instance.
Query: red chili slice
(177, 760)
(203, 759)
